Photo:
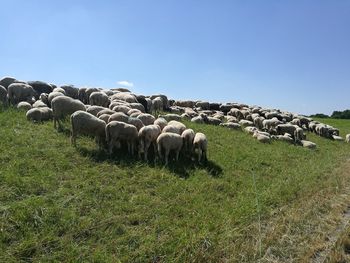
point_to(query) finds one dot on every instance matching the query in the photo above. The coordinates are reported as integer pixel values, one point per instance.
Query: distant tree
(319, 115)
(341, 114)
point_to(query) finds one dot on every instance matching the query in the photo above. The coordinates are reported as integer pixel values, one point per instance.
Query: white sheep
(18, 92)
(188, 136)
(23, 105)
(87, 124)
(157, 105)
(146, 118)
(64, 106)
(94, 110)
(200, 145)
(99, 98)
(161, 122)
(136, 122)
(169, 142)
(39, 114)
(148, 135)
(308, 144)
(347, 138)
(118, 132)
(119, 116)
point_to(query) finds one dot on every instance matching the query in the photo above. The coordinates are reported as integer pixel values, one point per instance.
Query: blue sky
(293, 55)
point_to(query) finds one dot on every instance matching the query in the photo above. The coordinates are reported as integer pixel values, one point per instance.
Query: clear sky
(293, 55)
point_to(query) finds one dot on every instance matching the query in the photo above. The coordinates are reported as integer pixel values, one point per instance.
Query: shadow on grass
(182, 168)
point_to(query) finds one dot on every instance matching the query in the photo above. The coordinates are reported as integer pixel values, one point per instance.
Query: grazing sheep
(231, 125)
(136, 122)
(18, 92)
(178, 125)
(63, 106)
(250, 129)
(146, 118)
(105, 111)
(167, 142)
(132, 111)
(104, 117)
(40, 87)
(170, 117)
(53, 95)
(157, 105)
(258, 122)
(44, 97)
(3, 96)
(119, 116)
(87, 124)
(270, 124)
(165, 100)
(137, 106)
(262, 137)
(161, 122)
(99, 98)
(94, 110)
(298, 134)
(82, 95)
(245, 123)
(200, 145)
(118, 132)
(148, 135)
(285, 138)
(347, 138)
(87, 94)
(286, 128)
(214, 121)
(39, 114)
(7, 81)
(39, 104)
(124, 96)
(188, 136)
(122, 108)
(198, 119)
(204, 105)
(71, 91)
(23, 105)
(308, 144)
(59, 90)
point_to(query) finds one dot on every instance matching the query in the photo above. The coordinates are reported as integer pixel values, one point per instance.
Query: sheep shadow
(181, 168)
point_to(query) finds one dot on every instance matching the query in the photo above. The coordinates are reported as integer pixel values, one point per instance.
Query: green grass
(65, 204)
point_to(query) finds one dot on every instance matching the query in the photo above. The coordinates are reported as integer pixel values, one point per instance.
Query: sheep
(87, 124)
(99, 98)
(94, 110)
(197, 119)
(250, 129)
(3, 96)
(44, 97)
(148, 135)
(40, 87)
(161, 122)
(119, 116)
(137, 106)
(71, 91)
(165, 100)
(286, 128)
(258, 122)
(63, 106)
(39, 114)
(82, 95)
(157, 105)
(104, 117)
(23, 105)
(204, 105)
(7, 81)
(117, 132)
(169, 142)
(121, 108)
(105, 111)
(59, 90)
(178, 125)
(285, 138)
(170, 117)
(298, 134)
(347, 138)
(146, 118)
(87, 94)
(231, 125)
(269, 124)
(53, 95)
(262, 137)
(245, 123)
(214, 121)
(39, 104)
(136, 122)
(308, 144)
(200, 145)
(188, 136)
(18, 92)
(125, 96)
(337, 138)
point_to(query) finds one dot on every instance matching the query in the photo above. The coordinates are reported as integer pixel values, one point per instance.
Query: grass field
(65, 204)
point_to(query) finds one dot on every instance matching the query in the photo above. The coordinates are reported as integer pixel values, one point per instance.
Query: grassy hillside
(59, 203)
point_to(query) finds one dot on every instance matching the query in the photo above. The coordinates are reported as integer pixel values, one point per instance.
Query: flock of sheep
(117, 117)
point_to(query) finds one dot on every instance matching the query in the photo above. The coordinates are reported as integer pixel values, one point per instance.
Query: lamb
(308, 144)
(87, 124)
(169, 142)
(148, 135)
(99, 98)
(188, 136)
(200, 144)
(146, 118)
(117, 132)
(3, 96)
(63, 106)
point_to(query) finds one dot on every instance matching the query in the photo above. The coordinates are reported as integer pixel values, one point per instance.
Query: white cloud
(125, 83)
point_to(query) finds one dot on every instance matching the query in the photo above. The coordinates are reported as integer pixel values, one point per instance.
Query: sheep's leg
(177, 154)
(147, 144)
(166, 156)
(54, 123)
(199, 155)
(110, 147)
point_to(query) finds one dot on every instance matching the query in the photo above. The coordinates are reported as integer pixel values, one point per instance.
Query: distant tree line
(336, 115)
